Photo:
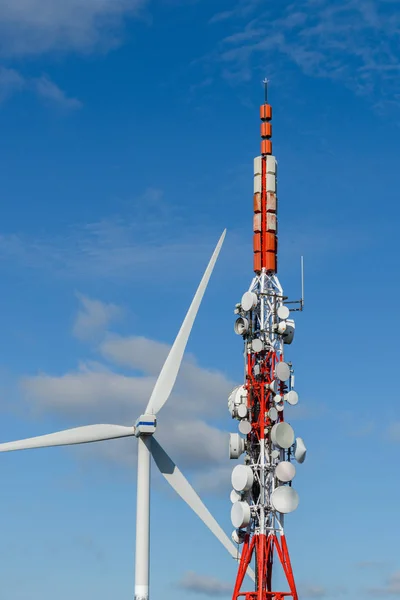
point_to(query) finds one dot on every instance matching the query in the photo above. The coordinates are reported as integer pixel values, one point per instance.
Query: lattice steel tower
(262, 487)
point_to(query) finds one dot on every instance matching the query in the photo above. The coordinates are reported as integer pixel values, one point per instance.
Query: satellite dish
(278, 399)
(236, 445)
(300, 450)
(273, 414)
(275, 454)
(249, 301)
(257, 345)
(240, 514)
(273, 386)
(242, 411)
(289, 332)
(244, 427)
(241, 326)
(282, 371)
(285, 471)
(238, 536)
(280, 406)
(283, 312)
(282, 435)
(292, 398)
(282, 327)
(235, 496)
(284, 499)
(242, 479)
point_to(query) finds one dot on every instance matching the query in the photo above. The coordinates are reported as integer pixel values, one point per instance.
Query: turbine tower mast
(262, 487)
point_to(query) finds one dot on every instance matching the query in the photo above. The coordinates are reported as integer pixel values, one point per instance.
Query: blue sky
(128, 131)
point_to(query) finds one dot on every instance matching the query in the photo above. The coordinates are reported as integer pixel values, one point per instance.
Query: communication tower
(262, 487)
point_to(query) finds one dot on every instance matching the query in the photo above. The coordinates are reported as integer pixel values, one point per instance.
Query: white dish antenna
(282, 371)
(285, 471)
(241, 326)
(283, 312)
(300, 450)
(282, 435)
(273, 414)
(284, 499)
(242, 411)
(242, 479)
(257, 345)
(273, 386)
(275, 454)
(240, 514)
(244, 427)
(235, 496)
(249, 301)
(238, 536)
(236, 445)
(292, 398)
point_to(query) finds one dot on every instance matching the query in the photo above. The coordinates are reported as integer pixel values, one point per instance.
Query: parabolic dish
(283, 312)
(241, 326)
(282, 435)
(284, 499)
(235, 496)
(280, 406)
(240, 514)
(275, 454)
(242, 411)
(242, 479)
(257, 345)
(249, 301)
(282, 371)
(292, 398)
(273, 414)
(285, 471)
(278, 398)
(300, 450)
(238, 536)
(244, 427)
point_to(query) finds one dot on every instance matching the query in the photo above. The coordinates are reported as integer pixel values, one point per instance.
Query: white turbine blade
(78, 435)
(169, 372)
(183, 488)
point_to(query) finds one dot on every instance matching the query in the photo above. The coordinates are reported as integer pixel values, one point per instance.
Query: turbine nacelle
(145, 425)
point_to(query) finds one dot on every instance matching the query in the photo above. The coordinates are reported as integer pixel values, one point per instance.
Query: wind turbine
(144, 430)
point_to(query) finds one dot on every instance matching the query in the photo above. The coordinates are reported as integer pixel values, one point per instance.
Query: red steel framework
(264, 542)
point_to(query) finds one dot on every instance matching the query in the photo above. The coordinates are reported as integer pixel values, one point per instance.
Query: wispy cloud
(37, 26)
(204, 584)
(98, 392)
(310, 590)
(391, 588)
(49, 91)
(12, 82)
(353, 42)
(93, 317)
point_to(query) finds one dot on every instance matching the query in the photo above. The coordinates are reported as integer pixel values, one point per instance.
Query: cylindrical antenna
(302, 283)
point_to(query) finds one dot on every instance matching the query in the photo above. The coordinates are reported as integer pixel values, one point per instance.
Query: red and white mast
(262, 487)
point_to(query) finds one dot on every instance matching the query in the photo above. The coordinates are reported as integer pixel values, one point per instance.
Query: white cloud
(37, 26)
(48, 90)
(313, 591)
(310, 590)
(392, 587)
(204, 584)
(187, 424)
(93, 317)
(10, 82)
(349, 41)
(394, 431)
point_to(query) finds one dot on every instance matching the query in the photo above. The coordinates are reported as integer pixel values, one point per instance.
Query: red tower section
(259, 504)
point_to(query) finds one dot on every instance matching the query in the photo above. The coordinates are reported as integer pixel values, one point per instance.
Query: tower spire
(263, 491)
